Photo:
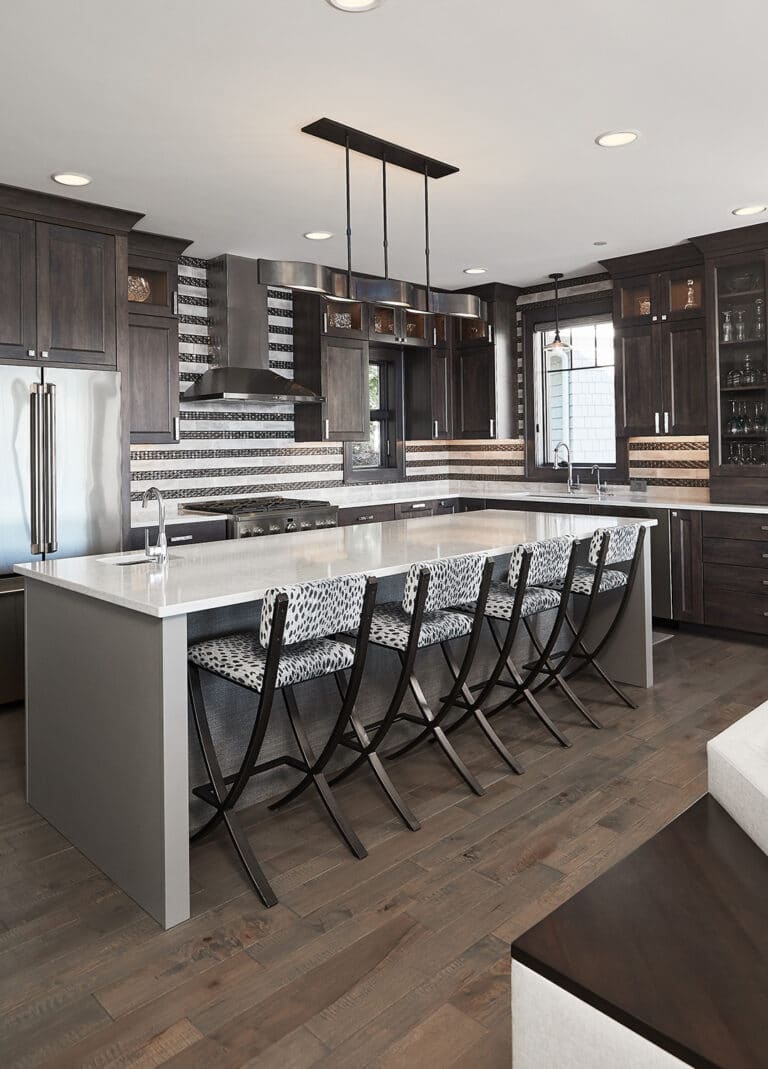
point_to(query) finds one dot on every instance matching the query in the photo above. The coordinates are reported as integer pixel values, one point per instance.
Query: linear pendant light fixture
(557, 345)
(401, 293)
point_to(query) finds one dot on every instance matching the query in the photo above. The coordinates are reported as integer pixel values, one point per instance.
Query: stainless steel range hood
(240, 341)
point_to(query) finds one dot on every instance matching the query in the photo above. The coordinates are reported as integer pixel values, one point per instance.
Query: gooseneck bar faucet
(158, 552)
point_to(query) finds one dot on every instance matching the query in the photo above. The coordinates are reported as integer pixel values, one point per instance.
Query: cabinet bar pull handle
(764, 556)
(435, 432)
(666, 422)
(434, 335)
(177, 428)
(654, 319)
(765, 582)
(180, 538)
(656, 421)
(36, 442)
(664, 319)
(51, 526)
(764, 527)
(44, 354)
(492, 427)
(420, 505)
(175, 302)
(30, 352)
(327, 429)
(325, 322)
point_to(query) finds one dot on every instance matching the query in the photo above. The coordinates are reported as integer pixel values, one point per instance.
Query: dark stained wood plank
(361, 958)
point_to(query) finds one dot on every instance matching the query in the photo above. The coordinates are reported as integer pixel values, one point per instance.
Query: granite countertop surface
(213, 574)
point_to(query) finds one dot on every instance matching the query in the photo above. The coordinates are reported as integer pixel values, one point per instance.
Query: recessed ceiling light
(599, 242)
(750, 209)
(318, 235)
(354, 5)
(474, 270)
(71, 178)
(616, 138)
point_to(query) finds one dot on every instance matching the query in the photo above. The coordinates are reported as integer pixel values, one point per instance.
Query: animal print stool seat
(241, 659)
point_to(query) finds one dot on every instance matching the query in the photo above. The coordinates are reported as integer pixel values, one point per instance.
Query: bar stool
(522, 597)
(609, 546)
(292, 646)
(431, 588)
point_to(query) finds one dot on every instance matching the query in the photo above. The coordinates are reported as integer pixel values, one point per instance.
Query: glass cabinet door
(384, 322)
(742, 364)
(682, 293)
(475, 330)
(418, 328)
(635, 300)
(344, 319)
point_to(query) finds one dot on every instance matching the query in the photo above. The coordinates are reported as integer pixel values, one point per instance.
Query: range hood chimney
(240, 338)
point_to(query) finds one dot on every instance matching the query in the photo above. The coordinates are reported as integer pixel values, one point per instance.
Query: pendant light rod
(349, 219)
(557, 275)
(384, 205)
(426, 233)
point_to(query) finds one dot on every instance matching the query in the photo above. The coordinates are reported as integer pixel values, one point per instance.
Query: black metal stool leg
(523, 691)
(479, 716)
(374, 762)
(439, 736)
(318, 778)
(555, 676)
(588, 659)
(219, 790)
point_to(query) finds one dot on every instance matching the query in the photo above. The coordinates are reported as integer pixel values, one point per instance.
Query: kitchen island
(107, 733)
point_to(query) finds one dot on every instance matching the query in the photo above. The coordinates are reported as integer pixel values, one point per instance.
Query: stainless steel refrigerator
(60, 482)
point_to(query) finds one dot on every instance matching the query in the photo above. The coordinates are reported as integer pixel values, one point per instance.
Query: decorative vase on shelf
(691, 301)
(727, 326)
(740, 327)
(759, 321)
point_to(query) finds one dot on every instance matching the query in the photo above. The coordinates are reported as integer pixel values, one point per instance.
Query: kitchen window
(379, 457)
(570, 393)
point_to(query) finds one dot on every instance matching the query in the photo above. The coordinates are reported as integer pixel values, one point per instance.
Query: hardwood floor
(398, 960)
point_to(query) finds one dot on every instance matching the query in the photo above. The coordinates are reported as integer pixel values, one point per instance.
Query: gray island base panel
(107, 727)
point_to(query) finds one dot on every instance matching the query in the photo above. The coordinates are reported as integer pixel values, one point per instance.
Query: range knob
(274, 528)
(290, 525)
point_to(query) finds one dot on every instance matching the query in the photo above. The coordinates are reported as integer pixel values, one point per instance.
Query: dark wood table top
(672, 942)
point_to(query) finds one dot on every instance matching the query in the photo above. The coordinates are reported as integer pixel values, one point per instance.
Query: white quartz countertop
(215, 574)
(366, 496)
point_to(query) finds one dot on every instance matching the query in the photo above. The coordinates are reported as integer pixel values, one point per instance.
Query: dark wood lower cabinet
(687, 571)
(154, 378)
(348, 517)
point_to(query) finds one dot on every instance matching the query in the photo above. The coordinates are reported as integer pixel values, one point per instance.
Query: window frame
(533, 317)
(393, 359)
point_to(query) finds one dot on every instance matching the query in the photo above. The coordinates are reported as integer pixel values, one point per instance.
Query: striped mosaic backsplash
(670, 461)
(241, 450)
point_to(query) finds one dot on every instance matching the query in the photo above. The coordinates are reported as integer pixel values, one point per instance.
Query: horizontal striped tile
(231, 474)
(204, 493)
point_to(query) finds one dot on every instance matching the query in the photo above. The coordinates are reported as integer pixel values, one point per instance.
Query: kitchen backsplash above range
(230, 450)
(234, 449)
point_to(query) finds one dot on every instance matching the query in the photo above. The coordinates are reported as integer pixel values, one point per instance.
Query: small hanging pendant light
(557, 345)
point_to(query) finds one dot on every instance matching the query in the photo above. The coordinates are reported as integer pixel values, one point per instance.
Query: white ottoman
(737, 762)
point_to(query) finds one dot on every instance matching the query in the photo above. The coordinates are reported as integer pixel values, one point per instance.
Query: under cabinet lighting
(71, 178)
(616, 138)
(474, 270)
(354, 5)
(750, 209)
(318, 235)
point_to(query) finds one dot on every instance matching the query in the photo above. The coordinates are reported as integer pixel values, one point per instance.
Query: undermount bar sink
(128, 560)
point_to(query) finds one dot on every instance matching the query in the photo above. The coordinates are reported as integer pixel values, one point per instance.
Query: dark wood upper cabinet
(475, 414)
(637, 382)
(153, 378)
(485, 369)
(18, 328)
(76, 313)
(660, 342)
(339, 319)
(336, 368)
(684, 377)
(153, 336)
(398, 326)
(428, 392)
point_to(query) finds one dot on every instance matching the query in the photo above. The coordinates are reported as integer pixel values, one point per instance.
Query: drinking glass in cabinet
(727, 334)
(739, 327)
(758, 324)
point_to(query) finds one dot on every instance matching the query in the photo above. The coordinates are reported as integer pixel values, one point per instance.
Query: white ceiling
(190, 110)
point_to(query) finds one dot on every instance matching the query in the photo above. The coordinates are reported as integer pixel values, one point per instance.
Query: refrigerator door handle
(36, 454)
(51, 532)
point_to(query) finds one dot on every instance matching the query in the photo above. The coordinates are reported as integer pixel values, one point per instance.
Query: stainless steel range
(254, 516)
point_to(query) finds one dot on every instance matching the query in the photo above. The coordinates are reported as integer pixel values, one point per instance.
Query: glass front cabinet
(739, 401)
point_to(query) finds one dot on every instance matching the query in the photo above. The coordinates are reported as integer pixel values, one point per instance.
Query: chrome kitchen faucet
(158, 552)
